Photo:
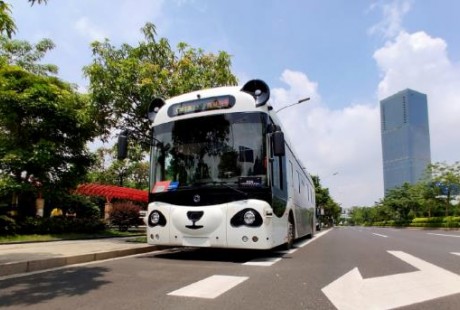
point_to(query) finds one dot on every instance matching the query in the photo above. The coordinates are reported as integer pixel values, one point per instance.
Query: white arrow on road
(351, 291)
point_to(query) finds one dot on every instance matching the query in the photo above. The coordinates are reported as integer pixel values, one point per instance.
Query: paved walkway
(28, 257)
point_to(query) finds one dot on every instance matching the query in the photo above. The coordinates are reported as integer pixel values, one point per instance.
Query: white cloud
(393, 13)
(299, 87)
(123, 20)
(87, 29)
(420, 62)
(133, 15)
(346, 140)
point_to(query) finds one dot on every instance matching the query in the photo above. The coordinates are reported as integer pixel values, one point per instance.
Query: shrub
(8, 225)
(448, 222)
(83, 207)
(59, 225)
(420, 220)
(124, 214)
(451, 221)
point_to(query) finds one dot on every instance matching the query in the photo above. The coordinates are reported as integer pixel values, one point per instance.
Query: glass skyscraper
(405, 138)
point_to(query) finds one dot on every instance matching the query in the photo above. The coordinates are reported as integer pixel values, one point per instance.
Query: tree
(124, 80)
(26, 55)
(44, 128)
(324, 202)
(446, 181)
(404, 201)
(132, 172)
(22, 53)
(32, 2)
(7, 24)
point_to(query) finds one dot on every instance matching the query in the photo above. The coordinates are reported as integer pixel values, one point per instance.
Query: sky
(345, 55)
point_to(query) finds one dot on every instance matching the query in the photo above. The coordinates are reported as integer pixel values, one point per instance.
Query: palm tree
(32, 2)
(6, 22)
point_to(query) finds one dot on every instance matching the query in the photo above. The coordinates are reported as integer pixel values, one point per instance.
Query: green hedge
(59, 225)
(443, 222)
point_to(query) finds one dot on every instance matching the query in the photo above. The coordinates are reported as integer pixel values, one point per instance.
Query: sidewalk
(28, 257)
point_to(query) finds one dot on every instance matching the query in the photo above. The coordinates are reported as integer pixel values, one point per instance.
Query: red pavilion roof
(112, 191)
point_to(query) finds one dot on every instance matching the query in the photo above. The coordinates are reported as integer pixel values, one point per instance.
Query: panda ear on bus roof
(154, 107)
(259, 90)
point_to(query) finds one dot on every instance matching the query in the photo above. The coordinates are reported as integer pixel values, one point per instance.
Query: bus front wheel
(290, 233)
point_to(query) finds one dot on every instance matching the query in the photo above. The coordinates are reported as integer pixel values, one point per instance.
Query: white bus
(223, 174)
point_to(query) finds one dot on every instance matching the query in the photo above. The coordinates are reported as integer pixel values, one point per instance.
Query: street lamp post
(290, 105)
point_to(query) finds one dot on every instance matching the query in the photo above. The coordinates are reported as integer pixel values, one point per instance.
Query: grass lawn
(56, 237)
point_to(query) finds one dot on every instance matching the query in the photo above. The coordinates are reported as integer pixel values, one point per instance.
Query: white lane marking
(263, 262)
(380, 235)
(351, 291)
(269, 261)
(210, 287)
(444, 235)
(316, 237)
(455, 253)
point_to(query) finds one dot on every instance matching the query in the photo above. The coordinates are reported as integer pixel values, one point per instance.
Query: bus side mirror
(278, 143)
(154, 107)
(122, 145)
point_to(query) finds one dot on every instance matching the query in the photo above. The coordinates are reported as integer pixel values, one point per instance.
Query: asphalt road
(345, 268)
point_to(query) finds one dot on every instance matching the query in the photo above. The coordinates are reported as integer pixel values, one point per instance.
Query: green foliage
(124, 215)
(424, 204)
(27, 56)
(132, 172)
(424, 220)
(44, 133)
(125, 79)
(82, 206)
(325, 202)
(59, 225)
(32, 2)
(7, 25)
(44, 128)
(8, 225)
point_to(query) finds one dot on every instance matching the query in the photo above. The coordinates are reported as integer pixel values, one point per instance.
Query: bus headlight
(249, 217)
(156, 218)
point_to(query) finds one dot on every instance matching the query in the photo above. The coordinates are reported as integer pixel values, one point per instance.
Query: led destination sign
(201, 105)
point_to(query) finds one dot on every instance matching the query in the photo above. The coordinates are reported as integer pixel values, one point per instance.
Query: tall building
(405, 138)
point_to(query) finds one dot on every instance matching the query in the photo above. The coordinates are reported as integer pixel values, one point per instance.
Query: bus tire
(290, 233)
(313, 228)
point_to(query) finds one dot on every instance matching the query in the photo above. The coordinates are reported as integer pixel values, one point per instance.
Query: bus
(223, 173)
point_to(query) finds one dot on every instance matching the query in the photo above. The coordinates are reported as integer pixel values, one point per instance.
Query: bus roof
(243, 102)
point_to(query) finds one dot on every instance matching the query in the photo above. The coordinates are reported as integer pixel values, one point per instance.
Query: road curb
(8, 269)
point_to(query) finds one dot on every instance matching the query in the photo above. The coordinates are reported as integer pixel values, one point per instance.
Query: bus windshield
(211, 150)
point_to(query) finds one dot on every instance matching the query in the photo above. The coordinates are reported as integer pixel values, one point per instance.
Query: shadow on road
(237, 256)
(30, 290)
(215, 255)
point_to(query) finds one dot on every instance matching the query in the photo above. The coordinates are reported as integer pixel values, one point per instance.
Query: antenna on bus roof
(259, 90)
